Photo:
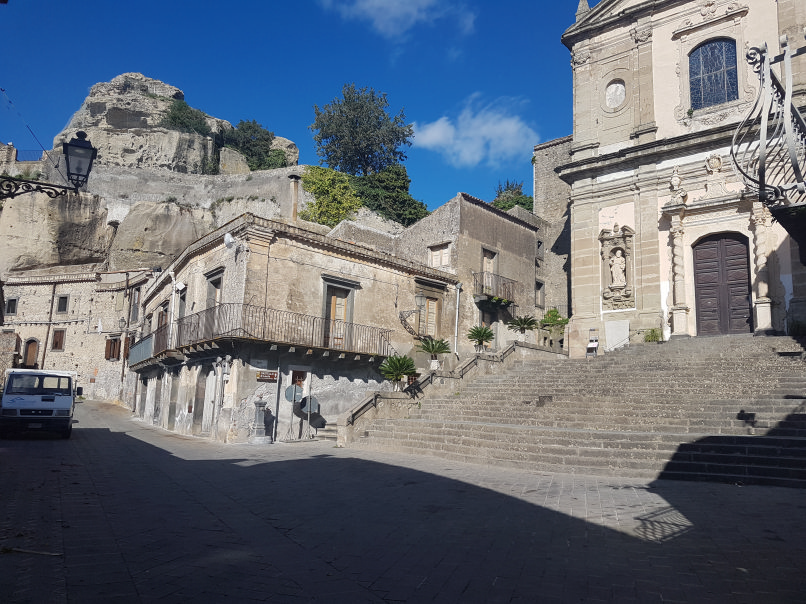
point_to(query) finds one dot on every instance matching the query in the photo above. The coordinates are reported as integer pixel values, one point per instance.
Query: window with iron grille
(712, 74)
(11, 306)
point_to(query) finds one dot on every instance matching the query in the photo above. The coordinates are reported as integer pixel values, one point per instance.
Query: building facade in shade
(663, 233)
(72, 321)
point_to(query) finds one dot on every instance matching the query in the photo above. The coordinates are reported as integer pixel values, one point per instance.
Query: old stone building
(80, 322)
(259, 305)
(498, 257)
(663, 234)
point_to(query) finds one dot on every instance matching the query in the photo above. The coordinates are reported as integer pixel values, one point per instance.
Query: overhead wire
(12, 107)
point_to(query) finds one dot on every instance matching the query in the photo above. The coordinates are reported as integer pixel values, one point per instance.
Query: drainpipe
(47, 331)
(173, 310)
(456, 322)
(124, 337)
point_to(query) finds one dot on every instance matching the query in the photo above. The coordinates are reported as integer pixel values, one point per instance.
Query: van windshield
(39, 384)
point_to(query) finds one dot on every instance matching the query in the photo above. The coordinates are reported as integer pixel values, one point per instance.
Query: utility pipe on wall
(456, 321)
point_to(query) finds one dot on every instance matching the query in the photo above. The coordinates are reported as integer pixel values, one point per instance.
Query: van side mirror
(80, 391)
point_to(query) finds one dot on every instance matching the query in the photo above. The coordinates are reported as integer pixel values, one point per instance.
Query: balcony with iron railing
(245, 322)
(494, 286)
(142, 350)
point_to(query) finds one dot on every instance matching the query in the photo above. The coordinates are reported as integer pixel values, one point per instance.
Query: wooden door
(31, 354)
(335, 316)
(722, 285)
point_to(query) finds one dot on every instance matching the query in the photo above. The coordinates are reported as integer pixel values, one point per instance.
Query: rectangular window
(540, 294)
(336, 310)
(439, 255)
(11, 306)
(135, 305)
(58, 339)
(214, 283)
(428, 318)
(61, 304)
(112, 349)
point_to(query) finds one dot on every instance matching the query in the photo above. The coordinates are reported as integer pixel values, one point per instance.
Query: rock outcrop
(37, 232)
(154, 234)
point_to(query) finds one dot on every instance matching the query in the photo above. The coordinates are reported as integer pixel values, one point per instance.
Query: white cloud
(393, 18)
(492, 134)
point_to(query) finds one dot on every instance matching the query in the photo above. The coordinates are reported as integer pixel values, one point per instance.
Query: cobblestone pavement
(126, 512)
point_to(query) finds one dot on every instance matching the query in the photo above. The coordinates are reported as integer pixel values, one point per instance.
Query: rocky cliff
(145, 200)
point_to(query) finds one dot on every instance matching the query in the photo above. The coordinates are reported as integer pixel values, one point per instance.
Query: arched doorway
(30, 354)
(722, 285)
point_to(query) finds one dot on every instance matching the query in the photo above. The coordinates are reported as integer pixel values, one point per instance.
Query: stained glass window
(712, 74)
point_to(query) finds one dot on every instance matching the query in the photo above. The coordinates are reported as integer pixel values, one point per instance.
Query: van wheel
(67, 432)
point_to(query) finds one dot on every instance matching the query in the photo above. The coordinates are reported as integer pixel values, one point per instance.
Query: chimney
(294, 178)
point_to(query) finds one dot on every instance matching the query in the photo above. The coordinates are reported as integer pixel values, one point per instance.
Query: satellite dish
(229, 240)
(180, 286)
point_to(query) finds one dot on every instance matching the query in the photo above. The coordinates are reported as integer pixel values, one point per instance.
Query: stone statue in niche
(618, 269)
(616, 256)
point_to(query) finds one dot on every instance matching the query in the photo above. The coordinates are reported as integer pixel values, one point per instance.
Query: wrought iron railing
(243, 321)
(142, 350)
(490, 284)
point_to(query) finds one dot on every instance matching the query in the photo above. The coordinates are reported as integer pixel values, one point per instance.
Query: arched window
(712, 73)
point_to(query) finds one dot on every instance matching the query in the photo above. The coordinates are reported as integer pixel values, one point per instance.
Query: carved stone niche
(617, 267)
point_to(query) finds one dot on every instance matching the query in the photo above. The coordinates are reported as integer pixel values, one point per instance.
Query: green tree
(185, 118)
(510, 195)
(387, 193)
(335, 199)
(355, 134)
(254, 142)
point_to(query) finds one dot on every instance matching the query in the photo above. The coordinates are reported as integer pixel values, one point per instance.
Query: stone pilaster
(679, 308)
(761, 220)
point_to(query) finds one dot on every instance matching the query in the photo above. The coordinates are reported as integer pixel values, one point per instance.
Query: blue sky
(482, 81)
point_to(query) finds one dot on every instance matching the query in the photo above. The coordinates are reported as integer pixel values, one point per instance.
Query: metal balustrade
(246, 322)
(142, 350)
(490, 284)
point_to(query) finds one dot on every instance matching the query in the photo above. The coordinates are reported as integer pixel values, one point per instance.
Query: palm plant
(480, 335)
(395, 368)
(522, 323)
(433, 346)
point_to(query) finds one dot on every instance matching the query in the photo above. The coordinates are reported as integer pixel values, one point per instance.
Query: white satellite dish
(180, 286)
(229, 240)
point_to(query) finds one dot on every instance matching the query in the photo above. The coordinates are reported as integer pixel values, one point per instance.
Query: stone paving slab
(126, 512)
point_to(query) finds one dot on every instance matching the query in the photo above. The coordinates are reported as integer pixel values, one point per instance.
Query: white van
(38, 400)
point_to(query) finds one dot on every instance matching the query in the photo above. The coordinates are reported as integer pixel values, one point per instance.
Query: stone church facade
(663, 233)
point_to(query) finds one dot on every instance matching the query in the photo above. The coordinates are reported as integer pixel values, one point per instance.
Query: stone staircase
(727, 409)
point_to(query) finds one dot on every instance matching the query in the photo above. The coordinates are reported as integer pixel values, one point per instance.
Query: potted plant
(522, 323)
(553, 320)
(434, 347)
(395, 368)
(480, 335)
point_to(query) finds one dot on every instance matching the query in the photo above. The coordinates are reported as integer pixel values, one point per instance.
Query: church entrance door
(722, 285)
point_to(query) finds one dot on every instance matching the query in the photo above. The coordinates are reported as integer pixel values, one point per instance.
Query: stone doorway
(722, 285)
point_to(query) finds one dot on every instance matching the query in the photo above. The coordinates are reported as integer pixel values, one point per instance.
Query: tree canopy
(335, 199)
(387, 193)
(510, 195)
(254, 142)
(355, 134)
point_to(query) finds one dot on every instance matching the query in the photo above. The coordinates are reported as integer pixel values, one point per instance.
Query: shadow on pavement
(133, 522)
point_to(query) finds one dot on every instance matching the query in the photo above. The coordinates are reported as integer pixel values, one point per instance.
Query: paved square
(128, 512)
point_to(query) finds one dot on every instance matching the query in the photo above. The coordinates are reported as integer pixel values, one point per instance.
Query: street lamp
(79, 155)
(419, 301)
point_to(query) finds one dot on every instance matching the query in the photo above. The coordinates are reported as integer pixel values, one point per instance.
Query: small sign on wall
(267, 376)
